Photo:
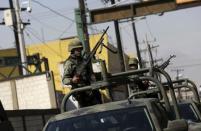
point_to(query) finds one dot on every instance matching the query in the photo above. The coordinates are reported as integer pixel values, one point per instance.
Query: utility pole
(148, 49)
(177, 78)
(119, 44)
(177, 72)
(84, 26)
(20, 27)
(126, 90)
(16, 34)
(151, 59)
(136, 43)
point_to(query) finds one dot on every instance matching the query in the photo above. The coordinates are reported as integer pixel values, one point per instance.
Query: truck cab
(142, 114)
(128, 115)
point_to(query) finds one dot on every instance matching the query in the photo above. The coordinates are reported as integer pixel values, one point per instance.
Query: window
(11, 61)
(131, 119)
(2, 61)
(188, 113)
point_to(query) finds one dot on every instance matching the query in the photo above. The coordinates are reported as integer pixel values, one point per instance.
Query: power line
(43, 42)
(29, 36)
(186, 66)
(52, 10)
(49, 15)
(42, 23)
(42, 13)
(149, 29)
(178, 71)
(62, 31)
(56, 12)
(34, 31)
(126, 31)
(65, 31)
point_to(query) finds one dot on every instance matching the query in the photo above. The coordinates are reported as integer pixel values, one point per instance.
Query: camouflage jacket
(70, 66)
(138, 85)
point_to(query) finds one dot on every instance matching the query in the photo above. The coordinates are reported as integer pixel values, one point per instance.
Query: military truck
(146, 114)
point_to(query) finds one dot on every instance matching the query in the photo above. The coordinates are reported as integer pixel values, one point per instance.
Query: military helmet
(133, 61)
(75, 43)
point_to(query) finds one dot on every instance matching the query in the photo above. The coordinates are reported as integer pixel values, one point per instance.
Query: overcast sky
(177, 32)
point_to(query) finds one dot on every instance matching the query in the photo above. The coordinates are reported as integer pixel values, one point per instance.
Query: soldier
(133, 64)
(138, 85)
(85, 98)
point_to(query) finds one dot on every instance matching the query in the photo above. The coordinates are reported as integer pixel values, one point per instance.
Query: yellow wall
(8, 52)
(56, 52)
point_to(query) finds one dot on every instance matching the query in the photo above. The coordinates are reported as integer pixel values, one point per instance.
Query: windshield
(132, 119)
(188, 113)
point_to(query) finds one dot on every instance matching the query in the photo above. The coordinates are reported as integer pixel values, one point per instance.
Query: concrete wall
(32, 92)
(6, 95)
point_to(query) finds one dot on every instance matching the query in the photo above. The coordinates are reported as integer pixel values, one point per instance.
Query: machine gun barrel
(83, 65)
(167, 62)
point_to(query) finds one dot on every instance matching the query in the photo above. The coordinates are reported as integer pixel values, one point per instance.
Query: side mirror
(177, 125)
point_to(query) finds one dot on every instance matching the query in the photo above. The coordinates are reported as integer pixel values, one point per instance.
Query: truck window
(132, 119)
(188, 113)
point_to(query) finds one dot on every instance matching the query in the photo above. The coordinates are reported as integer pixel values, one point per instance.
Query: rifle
(167, 62)
(85, 62)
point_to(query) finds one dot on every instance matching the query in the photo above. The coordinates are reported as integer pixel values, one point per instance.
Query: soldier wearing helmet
(133, 63)
(75, 44)
(69, 78)
(75, 48)
(138, 85)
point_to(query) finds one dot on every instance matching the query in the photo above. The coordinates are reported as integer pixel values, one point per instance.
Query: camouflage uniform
(133, 65)
(84, 98)
(69, 71)
(138, 85)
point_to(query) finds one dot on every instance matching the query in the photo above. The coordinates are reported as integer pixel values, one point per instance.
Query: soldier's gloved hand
(75, 79)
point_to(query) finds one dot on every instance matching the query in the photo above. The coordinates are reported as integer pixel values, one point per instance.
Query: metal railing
(18, 66)
(123, 77)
